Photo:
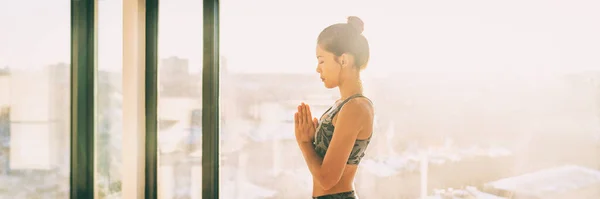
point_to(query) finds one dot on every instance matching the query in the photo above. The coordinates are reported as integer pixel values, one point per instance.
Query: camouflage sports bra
(325, 131)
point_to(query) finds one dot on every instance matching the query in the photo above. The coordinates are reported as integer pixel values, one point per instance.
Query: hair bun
(356, 23)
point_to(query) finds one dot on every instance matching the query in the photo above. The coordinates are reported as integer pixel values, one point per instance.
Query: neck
(351, 86)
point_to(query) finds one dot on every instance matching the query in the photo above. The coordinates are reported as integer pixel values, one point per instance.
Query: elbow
(327, 182)
(327, 187)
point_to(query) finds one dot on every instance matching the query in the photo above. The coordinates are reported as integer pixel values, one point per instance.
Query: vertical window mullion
(83, 67)
(151, 99)
(139, 99)
(210, 100)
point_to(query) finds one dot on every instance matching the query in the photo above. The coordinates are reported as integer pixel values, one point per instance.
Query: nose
(318, 69)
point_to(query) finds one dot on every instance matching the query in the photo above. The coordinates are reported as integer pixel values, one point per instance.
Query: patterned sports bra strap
(349, 98)
(339, 107)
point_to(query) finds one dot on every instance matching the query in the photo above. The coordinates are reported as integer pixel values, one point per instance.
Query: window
(465, 95)
(469, 100)
(109, 99)
(34, 99)
(180, 99)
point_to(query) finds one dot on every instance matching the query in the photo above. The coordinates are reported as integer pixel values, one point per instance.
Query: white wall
(29, 96)
(31, 129)
(30, 146)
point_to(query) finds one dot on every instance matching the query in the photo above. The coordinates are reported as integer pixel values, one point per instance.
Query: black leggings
(343, 195)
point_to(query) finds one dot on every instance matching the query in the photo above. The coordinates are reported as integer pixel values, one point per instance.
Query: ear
(345, 60)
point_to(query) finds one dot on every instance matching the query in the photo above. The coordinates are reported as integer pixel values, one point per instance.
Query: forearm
(313, 161)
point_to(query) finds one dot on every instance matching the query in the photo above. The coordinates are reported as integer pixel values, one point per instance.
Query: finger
(308, 114)
(300, 114)
(315, 122)
(296, 118)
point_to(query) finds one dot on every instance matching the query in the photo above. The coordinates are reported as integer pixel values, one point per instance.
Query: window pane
(34, 99)
(180, 99)
(464, 95)
(109, 99)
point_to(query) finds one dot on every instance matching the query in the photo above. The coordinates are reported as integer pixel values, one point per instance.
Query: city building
(563, 182)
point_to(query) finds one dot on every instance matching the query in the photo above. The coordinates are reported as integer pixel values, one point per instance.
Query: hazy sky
(280, 35)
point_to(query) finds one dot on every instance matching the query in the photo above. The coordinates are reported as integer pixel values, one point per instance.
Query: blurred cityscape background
(492, 134)
(471, 102)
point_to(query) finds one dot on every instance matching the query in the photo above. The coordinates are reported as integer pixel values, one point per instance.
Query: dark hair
(346, 38)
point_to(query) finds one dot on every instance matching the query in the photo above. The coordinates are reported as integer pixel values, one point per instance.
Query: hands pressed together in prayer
(305, 124)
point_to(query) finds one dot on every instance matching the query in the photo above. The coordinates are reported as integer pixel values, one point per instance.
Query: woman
(334, 145)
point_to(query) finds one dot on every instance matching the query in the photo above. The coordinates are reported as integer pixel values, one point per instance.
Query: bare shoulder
(357, 111)
(359, 105)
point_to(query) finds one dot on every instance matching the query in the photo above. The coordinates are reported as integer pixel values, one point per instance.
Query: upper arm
(350, 120)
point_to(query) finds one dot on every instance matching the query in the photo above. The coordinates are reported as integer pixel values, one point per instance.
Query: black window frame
(83, 87)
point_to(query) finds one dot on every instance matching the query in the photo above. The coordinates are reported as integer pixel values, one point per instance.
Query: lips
(322, 79)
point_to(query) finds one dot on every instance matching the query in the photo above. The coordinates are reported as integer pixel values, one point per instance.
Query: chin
(328, 86)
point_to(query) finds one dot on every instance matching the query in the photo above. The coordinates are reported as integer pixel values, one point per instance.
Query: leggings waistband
(343, 195)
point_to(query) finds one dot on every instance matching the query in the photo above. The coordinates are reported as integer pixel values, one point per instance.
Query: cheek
(330, 71)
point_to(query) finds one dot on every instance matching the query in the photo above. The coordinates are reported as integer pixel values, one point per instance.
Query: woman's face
(328, 67)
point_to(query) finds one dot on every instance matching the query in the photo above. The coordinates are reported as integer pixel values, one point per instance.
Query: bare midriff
(345, 184)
